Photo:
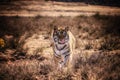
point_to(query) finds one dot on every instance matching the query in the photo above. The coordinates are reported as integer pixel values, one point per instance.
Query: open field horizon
(55, 9)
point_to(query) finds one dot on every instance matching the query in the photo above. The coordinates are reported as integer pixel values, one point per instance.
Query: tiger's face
(60, 35)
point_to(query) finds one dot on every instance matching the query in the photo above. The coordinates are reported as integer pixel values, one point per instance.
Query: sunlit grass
(96, 56)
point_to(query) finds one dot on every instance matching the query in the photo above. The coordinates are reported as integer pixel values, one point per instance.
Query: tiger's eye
(64, 33)
(58, 33)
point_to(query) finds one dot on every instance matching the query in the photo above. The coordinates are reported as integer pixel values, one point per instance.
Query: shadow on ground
(115, 3)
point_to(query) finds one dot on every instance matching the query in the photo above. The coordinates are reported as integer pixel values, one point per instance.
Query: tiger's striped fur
(63, 45)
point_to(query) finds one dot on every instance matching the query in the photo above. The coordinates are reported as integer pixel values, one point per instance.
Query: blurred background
(25, 28)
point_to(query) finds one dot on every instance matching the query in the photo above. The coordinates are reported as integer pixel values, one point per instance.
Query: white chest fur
(60, 49)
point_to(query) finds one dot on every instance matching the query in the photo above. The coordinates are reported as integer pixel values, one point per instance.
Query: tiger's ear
(67, 28)
(55, 28)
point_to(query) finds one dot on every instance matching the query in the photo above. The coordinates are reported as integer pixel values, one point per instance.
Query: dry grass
(97, 52)
(53, 8)
(99, 66)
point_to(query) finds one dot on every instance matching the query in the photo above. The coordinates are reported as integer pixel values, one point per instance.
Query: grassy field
(26, 54)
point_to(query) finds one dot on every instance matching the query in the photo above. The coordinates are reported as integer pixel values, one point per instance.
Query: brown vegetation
(97, 52)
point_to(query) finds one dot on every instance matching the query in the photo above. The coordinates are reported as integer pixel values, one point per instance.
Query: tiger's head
(60, 34)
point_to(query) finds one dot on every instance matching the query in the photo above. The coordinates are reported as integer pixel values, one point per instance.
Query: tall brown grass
(96, 56)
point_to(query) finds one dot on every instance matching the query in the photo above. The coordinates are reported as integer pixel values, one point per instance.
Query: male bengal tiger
(63, 43)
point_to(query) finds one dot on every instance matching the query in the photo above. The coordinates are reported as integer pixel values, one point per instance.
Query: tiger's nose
(61, 36)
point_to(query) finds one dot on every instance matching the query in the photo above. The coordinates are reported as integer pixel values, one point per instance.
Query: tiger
(63, 44)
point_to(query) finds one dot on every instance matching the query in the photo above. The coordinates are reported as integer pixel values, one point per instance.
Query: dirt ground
(25, 48)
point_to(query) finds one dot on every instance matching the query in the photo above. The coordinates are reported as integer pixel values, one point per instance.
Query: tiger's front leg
(65, 61)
